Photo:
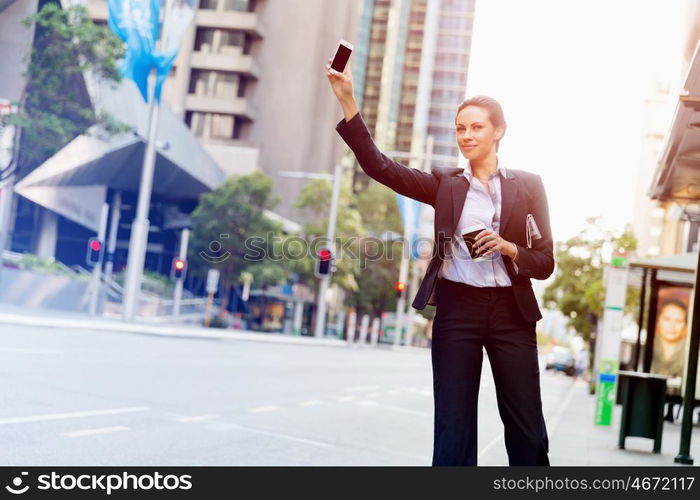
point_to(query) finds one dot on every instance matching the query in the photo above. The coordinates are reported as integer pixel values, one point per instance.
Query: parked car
(561, 359)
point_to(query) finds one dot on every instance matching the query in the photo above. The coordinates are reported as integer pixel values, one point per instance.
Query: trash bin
(643, 397)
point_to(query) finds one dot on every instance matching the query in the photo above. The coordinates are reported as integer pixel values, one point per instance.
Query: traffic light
(324, 263)
(95, 250)
(179, 268)
(399, 287)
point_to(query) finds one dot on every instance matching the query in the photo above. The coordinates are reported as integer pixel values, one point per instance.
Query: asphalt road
(105, 398)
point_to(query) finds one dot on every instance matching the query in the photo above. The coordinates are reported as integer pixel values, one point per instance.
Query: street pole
(416, 268)
(97, 270)
(139, 228)
(177, 299)
(691, 371)
(6, 195)
(9, 139)
(330, 235)
(403, 274)
(406, 256)
(113, 230)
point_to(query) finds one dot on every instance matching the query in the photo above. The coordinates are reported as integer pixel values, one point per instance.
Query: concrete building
(249, 81)
(213, 79)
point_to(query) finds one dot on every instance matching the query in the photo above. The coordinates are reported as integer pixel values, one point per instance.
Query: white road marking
(287, 437)
(393, 392)
(345, 398)
(76, 414)
(373, 395)
(551, 427)
(198, 418)
(313, 402)
(491, 444)
(556, 418)
(264, 408)
(90, 432)
(362, 388)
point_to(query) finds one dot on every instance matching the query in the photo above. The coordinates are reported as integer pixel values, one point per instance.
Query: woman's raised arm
(407, 181)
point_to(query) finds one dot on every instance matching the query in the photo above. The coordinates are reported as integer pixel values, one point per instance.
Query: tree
(578, 290)
(229, 226)
(315, 197)
(369, 266)
(56, 107)
(380, 213)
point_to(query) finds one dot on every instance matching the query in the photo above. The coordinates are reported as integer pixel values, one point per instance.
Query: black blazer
(445, 189)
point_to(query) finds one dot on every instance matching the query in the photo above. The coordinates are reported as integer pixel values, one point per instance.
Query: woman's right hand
(341, 83)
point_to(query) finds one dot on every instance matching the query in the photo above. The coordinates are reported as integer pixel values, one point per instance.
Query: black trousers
(468, 319)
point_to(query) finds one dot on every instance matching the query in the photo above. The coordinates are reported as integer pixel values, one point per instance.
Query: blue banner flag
(137, 23)
(410, 215)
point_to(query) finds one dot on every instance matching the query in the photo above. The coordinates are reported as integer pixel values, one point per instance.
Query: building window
(199, 82)
(204, 40)
(453, 41)
(239, 5)
(213, 125)
(228, 5)
(220, 41)
(222, 126)
(195, 120)
(221, 84)
(231, 41)
(225, 84)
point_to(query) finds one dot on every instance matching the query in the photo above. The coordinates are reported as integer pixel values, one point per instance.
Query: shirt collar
(501, 168)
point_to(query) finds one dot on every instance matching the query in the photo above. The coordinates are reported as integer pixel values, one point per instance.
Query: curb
(162, 331)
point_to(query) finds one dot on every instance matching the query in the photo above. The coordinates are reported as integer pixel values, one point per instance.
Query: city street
(103, 398)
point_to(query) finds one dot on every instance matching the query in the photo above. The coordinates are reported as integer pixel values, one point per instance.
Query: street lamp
(324, 280)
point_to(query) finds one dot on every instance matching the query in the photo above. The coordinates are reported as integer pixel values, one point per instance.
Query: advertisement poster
(671, 331)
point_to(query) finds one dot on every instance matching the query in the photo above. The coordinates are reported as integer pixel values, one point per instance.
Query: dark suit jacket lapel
(509, 193)
(460, 186)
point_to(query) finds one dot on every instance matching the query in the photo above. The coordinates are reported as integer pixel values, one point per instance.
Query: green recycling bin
(643, 398)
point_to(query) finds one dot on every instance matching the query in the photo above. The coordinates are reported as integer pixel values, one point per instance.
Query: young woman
(485, 302)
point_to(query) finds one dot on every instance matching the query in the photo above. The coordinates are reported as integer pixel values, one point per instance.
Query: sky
(571, 77)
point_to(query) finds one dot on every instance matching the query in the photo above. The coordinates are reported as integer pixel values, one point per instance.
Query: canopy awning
(684, 262)
(674, 268)
(95, 161)
(677, 175)
(183, 168)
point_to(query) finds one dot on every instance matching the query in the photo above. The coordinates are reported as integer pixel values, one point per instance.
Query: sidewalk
(43, 318)
(574, 439)
(11, 315)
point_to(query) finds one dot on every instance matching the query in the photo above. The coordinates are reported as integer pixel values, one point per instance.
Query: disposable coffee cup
(469, 236)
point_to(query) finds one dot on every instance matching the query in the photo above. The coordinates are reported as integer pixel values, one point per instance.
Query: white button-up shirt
(481, 206)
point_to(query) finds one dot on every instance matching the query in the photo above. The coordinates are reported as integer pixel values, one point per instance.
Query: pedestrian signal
(179, 267)
(324, 263)
(95, 250)
(399, 288)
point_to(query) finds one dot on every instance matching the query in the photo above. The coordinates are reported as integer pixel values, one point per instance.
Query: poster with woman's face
(670, 332)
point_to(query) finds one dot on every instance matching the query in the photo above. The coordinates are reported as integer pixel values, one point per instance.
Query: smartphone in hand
(342, 54)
